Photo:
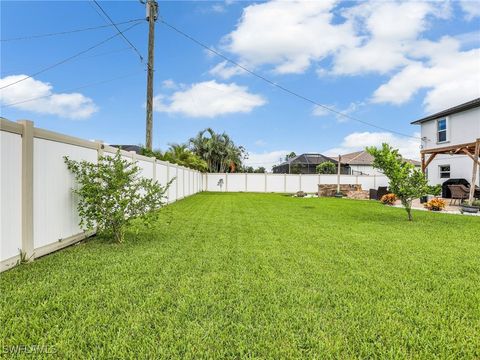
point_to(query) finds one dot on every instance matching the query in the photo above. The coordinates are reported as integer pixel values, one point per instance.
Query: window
(442, 130)
(444, 171)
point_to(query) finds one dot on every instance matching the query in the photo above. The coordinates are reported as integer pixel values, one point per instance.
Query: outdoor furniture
(446, 194)
(459, 192)
(382, 190)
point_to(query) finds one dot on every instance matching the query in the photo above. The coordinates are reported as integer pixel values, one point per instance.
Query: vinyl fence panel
(55, 205)
(276, 183)
(10, 195)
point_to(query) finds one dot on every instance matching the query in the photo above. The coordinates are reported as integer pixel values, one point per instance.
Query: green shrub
(112, 193)
(326, 167)
(435, 190)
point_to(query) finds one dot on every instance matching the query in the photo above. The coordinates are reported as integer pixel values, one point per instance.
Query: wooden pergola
(472, 150)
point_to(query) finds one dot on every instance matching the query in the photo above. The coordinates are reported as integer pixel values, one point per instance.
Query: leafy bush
(405, 181)
(388, 199)
(435, 204)
(112, 194)
(435, 190)
(326, 167)
(475, 203)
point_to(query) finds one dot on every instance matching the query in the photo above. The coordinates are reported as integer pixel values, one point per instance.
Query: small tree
(326, 167)
(112, 194)
(406, 182)
(259, 170)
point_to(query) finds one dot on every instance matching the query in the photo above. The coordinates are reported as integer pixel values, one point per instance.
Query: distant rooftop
(453, 110)
(308, 158)
(364, 158)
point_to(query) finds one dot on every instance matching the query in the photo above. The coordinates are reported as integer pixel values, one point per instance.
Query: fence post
(168, 179)
(374, 181)
(285, 182)
(183, 182)
(265, 182)
(154, 172)
(176, 182)
(100, 148)
(246, 182)
(27, 189)
(300, 181)
(226, 182)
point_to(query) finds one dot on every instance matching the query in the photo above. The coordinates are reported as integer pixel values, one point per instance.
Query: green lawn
(258, 276)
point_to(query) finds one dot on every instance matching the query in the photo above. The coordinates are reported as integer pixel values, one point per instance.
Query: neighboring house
(361, 163)
(302, 164)
(447, 136)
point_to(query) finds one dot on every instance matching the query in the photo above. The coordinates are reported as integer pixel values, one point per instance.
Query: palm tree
(218, 150)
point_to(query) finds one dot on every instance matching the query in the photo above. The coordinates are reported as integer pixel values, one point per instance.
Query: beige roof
(364, 158)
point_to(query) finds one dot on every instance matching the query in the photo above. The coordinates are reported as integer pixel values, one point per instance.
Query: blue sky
(386, 63)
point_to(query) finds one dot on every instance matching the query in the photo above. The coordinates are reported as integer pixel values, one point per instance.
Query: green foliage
(112, 193)
(435, 190)
(260, 276)
(218, 150)
(405, 181)
(260, 170)
(326, 167)
(179, 154)
(290, 156)
(249, 169)
(295, 169)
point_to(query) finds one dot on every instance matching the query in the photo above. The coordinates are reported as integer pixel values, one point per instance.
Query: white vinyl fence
(286, 183)
(38, 212)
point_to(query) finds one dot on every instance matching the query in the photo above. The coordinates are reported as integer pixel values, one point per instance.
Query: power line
(75, 88)
(300, 96)
(116, 27)
(68, 59)
(69, 31)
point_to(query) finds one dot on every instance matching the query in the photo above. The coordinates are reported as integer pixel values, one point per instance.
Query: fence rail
(38, 210)
(285, 183)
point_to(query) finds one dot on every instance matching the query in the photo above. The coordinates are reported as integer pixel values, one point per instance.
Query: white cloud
(169, 84)
(381, 37)
(226, 71)
(351, 108)
(71, 105)
(471, 8)
(449, 80)
(218, 8)
(408, 147)
(289, 35)
(209, 99)
(266, 159)
(388, 30)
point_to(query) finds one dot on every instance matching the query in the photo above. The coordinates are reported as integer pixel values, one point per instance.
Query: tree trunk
(119, 234)
(408, 208)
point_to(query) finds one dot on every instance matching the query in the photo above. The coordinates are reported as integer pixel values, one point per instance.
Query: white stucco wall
(462, 128)
(460, 167)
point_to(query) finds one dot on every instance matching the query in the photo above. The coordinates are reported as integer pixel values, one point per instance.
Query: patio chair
(459, 192)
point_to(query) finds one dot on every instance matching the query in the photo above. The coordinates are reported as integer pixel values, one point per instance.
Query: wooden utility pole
(152, 13)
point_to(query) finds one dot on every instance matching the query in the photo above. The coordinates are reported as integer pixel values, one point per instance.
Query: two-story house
(450, 139)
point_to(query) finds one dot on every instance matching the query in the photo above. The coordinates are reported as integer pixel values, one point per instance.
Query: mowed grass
(258, 276)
